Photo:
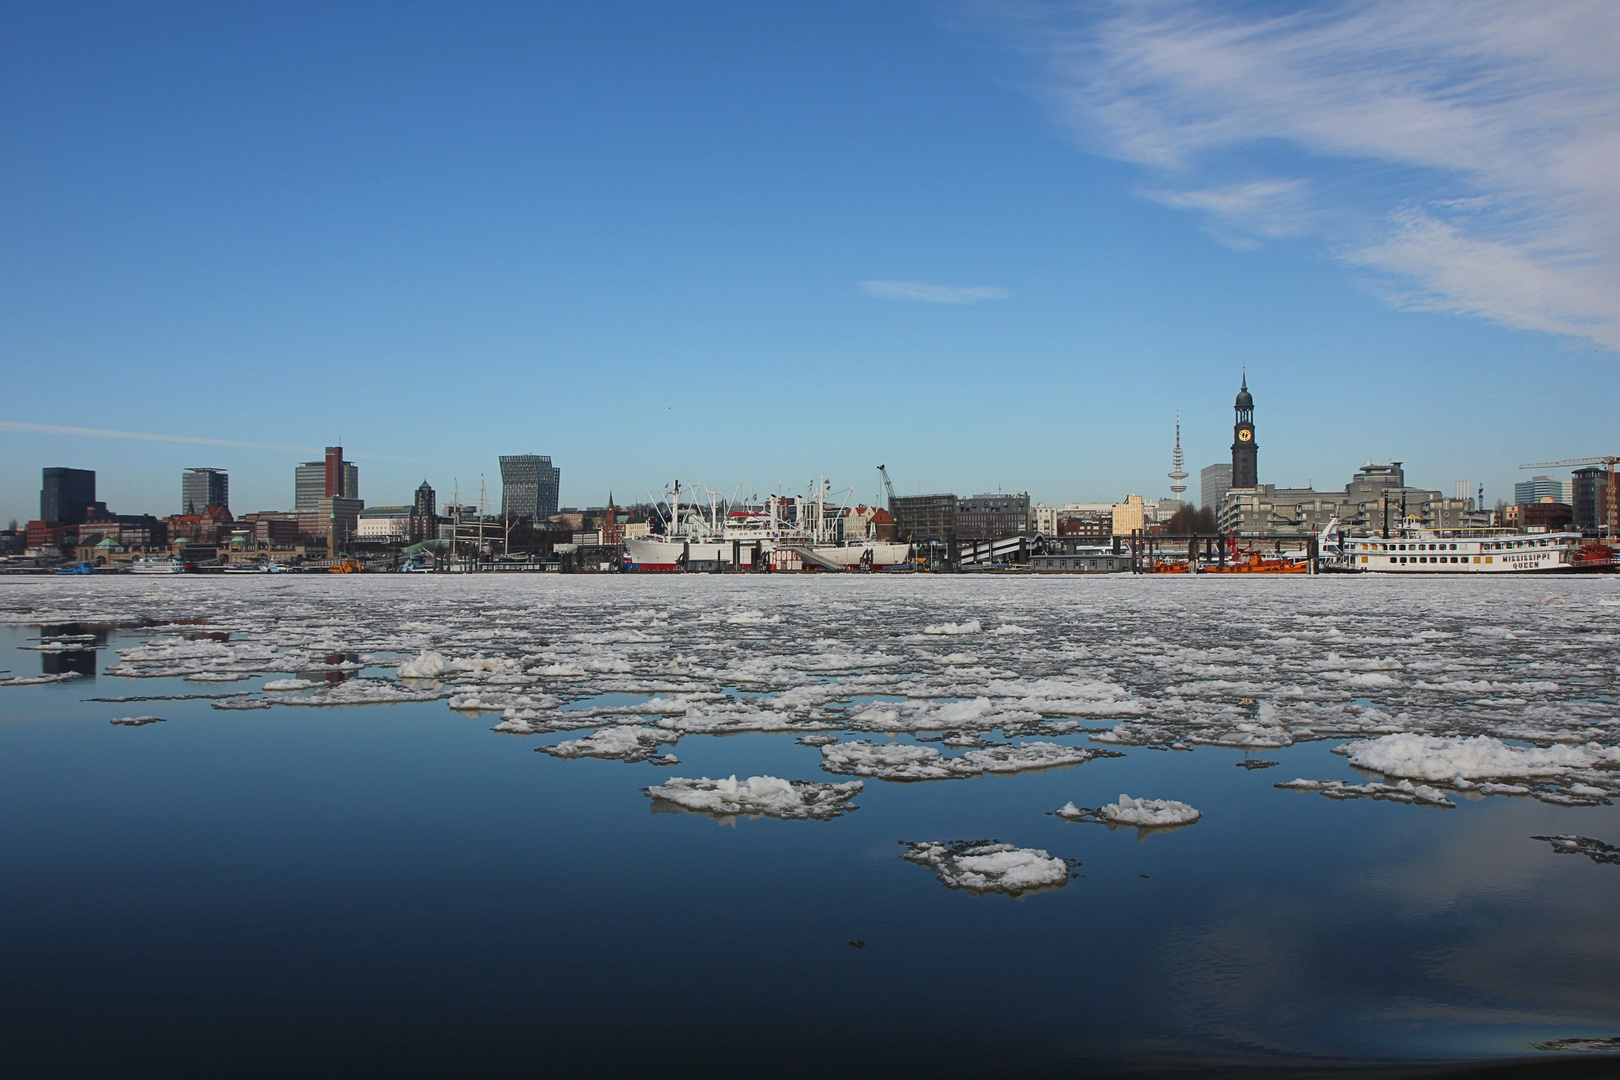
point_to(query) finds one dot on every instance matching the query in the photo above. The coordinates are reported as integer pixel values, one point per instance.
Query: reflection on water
(360, 886)
(339, 667)
(83, 639)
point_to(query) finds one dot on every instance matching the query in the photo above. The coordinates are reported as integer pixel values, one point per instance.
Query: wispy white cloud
(1465, 151)
(101, 433)
(921, 292)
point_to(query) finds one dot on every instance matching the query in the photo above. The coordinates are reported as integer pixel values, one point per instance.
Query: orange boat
(1259, 564)
(1167, 568)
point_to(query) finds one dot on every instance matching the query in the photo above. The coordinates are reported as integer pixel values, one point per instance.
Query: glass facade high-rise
(67, 495)
(529, 486)
(202, 488)
(1537, 488)
(1214, 481)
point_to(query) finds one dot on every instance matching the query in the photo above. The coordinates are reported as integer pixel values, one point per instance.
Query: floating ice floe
(1142, 813)
(626, 743)
(40, 680)
(290, 684)
(1429, 757)
(986, 866)
(907, 761)
(1609, 1045)
(1596, 850)
(1403, 792)
(363, 692)
(137, 721)
(971, 626)
(759, 796)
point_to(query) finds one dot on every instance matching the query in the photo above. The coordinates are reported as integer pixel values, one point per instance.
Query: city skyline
(926, 235)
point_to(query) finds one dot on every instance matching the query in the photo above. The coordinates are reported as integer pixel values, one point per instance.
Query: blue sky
(993, 246)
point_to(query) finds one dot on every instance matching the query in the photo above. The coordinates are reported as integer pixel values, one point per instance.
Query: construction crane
(1608, 464)
(887, 486)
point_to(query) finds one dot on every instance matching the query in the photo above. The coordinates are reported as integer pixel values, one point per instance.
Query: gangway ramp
(809, 556)
(985, 552)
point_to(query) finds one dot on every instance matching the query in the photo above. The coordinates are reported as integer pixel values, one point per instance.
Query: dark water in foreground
(396, 891)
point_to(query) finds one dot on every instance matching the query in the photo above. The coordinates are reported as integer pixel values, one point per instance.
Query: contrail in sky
(98, 433)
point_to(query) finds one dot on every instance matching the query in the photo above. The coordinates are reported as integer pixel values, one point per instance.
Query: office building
(1375, 498)
(1213, 483)
(1539, 488)
(67, 496)
(385, 524)
(427, 502)
(922, 518)
(529, 486)
(1590, 499)
(1129, 516)
(986, 517)
(202, 488)
(331, 477)
(1073, 519)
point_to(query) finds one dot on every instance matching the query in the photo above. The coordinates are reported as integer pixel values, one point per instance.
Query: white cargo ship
(789, 534)
(1420, 551)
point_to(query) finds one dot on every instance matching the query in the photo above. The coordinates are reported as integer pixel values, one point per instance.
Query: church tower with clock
(1245, 464)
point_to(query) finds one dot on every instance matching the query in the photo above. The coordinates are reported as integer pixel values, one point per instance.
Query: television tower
(1178, 474)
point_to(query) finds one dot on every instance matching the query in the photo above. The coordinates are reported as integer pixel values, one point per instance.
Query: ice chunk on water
(971, 626)
(1429, 757)
(40, 680)
(1148, 813)
(1403, 792)
(1596, 850)
(363, 692)
(1609, 1045)
(906, 761)
(625, 743)
(1142, 813)
(767, 796)
(290, 684)
(986, 866)
(137, 721)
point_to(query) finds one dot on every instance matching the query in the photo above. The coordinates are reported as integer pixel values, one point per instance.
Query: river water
(373, 881)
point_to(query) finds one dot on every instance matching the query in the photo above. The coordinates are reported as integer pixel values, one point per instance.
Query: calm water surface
(398, 891)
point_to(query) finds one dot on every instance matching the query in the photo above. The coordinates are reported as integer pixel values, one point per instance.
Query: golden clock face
(1245, 435)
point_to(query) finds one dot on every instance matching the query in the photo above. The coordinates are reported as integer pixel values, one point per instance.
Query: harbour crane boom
(1570, 463)
(887, 486)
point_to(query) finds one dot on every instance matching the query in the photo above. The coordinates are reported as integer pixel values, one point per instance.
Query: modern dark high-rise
(529, 486)
(1590, 496)
(1245, 456)
(67, 495)
(427, 502)
(202, 488)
